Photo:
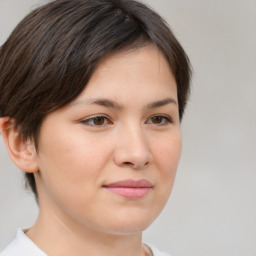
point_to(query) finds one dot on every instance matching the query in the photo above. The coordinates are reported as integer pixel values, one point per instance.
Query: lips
(132, 189)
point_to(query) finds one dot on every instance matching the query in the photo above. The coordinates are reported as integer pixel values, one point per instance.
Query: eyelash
(90, 121)
(167, 120)
(164, 120)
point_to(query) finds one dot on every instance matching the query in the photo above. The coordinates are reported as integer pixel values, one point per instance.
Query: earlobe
(22, 153)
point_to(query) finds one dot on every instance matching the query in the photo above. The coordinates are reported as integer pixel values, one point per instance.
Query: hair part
(52, 53)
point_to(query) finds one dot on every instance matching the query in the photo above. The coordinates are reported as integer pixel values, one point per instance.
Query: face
(108, 160)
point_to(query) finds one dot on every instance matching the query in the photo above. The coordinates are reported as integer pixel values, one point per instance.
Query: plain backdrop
(212, 209)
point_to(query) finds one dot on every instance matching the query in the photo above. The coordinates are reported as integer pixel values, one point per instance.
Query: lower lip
(131, 193)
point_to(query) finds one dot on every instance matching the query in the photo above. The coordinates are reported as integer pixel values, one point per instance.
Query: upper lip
(131, 184)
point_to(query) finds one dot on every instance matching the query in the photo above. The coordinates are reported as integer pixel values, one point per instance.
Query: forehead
(148, 55)
(138, 69)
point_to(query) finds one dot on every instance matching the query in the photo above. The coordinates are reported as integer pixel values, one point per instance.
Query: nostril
(134, 165)
(128, 163)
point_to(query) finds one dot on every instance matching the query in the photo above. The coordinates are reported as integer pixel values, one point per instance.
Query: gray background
(212, 210)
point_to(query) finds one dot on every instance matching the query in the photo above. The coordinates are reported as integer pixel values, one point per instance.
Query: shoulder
(22, 246)
(156, 251)
(10, 249)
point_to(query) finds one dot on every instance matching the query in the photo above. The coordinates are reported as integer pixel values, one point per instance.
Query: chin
(132, 223)
(128, 229)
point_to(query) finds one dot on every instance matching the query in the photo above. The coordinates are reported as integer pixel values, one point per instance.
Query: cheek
(168, 151)
(167, 156)
(76, 153)
(70, 165)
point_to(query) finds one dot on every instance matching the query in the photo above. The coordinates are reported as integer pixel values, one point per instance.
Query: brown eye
(96, 121)
(99, 120)
(159, 120)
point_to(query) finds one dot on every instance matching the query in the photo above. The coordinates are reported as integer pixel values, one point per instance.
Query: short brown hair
(52, 53)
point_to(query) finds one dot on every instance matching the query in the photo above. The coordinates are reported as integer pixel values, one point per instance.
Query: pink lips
(132, 189)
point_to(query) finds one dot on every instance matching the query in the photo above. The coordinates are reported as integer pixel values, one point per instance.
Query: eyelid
(87, 120)
(167, 118)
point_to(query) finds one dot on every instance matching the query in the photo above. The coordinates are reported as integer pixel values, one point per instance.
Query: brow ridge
(100, 101)
(160, 103)
(112, 104)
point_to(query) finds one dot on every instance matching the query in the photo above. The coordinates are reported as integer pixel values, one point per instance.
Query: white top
(23, 246)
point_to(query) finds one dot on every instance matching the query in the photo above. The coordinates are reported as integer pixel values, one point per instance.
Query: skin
(133, 138)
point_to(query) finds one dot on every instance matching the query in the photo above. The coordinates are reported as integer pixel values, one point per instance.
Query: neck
(56, 236)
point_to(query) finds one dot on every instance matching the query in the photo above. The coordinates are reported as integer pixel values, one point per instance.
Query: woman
(92, 95)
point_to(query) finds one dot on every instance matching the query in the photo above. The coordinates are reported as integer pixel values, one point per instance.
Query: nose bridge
(132, 146)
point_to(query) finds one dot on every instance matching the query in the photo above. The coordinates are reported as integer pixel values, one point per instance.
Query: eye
(96, 121)
(159, 120)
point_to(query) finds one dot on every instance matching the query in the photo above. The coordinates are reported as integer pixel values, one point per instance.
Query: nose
(132, 149)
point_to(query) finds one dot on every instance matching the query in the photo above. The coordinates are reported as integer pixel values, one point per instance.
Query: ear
(23, 153)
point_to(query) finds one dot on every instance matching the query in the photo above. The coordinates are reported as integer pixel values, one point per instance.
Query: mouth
(132, 189)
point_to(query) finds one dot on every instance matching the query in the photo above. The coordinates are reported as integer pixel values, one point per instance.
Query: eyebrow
(112, 104)
(160, 103)
(101, 102)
